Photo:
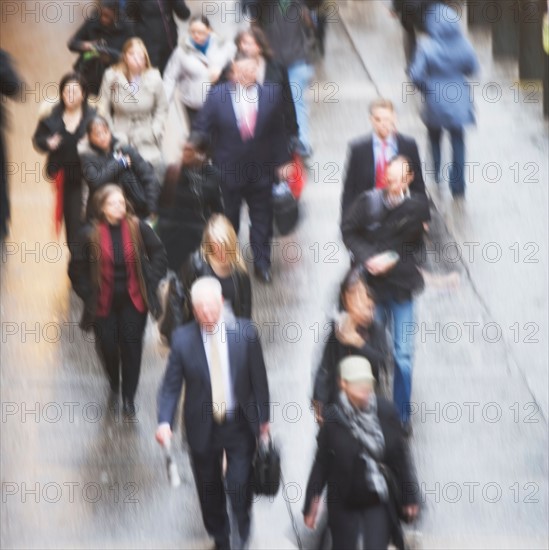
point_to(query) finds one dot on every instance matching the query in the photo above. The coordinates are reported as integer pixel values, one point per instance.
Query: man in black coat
(391, 220)
(226, 406)
(155, 25)
(366, 164)
(10, 85)
(361, 448)
(245, 123)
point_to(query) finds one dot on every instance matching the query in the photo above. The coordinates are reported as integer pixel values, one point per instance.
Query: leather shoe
(263, 274)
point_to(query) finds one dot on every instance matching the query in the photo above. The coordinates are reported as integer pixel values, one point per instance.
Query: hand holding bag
(266, 478)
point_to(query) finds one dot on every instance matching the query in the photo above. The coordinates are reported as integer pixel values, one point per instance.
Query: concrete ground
(75, 475)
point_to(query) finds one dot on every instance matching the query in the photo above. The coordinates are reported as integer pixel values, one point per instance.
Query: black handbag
(266, 478)
(175, 307)
(285, 208)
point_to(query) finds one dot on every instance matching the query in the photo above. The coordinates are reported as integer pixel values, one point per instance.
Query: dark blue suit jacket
(187, 364)
(360, 174)
(250, 162)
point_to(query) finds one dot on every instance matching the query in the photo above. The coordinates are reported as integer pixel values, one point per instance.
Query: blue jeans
(457, 168)
(300, 75)
(400, 316)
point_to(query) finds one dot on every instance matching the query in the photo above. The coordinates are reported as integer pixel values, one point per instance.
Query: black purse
(266, 473)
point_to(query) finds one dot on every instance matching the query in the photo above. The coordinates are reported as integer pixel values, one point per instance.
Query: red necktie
(381, 166)
(247, 124)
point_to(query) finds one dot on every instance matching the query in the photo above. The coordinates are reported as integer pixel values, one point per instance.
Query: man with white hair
(226, 406)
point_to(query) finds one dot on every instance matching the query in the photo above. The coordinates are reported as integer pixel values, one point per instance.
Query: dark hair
(354, 277)
(260, 38)
(80, 80)
(202, 19)
(97, 119)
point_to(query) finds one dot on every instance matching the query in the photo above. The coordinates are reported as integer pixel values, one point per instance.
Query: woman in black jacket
(355, 332)
(115, 269)
(363, 459)
(58, 135)
(105, 161)
(220, 257)
(190, 195)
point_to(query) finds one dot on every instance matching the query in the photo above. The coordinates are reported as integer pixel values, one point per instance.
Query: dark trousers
(191, 115)
(367, 529)
(72, 210)
(258, 197)
(457, 167)
(238, 441)
(119, 339)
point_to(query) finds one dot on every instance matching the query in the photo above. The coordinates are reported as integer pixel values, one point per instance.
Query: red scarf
(106, 269)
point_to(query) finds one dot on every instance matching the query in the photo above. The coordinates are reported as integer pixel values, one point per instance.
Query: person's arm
(105, 95)
(324, 377)
(290, 116)
(172, 74)
(41, 136)
(10, 82)
(79, 264)
(98, 172)
(258, 377)
(203, 127)
(245, 295)
(418, 184)
(158, 261)
(147, 178)
(317, 479)
(352, 174)
(417, 70)
(353, 229)
(81, 41)
(160, 110)
(170, 389)
(181, 9)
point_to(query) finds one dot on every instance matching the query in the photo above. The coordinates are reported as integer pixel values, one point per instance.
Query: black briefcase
(266, 469)
(285, 208)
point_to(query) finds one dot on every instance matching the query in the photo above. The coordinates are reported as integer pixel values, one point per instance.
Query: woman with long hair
(220, 257)
(133, 100)
(115, 269)
(58, 134)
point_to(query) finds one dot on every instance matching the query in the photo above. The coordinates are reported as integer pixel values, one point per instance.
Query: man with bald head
(226, 406)
(383, 230)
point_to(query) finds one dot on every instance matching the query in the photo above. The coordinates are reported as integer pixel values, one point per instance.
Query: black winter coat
(370, 227)
(66, 155)
(137, 180)
(186, 203)
(375, 349)
(84, 268)
(155, 25)
(108, 41)
(336, 465)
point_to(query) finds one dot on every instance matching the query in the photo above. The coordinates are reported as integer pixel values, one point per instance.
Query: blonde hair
(220, 231)
(130, 43)
(381, 103)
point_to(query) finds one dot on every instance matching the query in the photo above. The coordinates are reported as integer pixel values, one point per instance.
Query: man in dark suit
(226, 406)
(249, 143)
(392, 220)
(369, 156)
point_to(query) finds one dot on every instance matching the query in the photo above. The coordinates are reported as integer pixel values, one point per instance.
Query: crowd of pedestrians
(133, 221)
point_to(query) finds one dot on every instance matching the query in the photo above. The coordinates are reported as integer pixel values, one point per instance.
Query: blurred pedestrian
(354, 332)
(384, 230)
(58, 135)
(190, 195)
(226, 407)
(99, 42)
(133, 100)
(220, 257)
(194, 65)
(105, 160)
(368, 156)
(10, 86)
(287, 24)
(362, 458)
(443, 61)
(115, 269)
(155, 25)
(253, 43)
(250, 149)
